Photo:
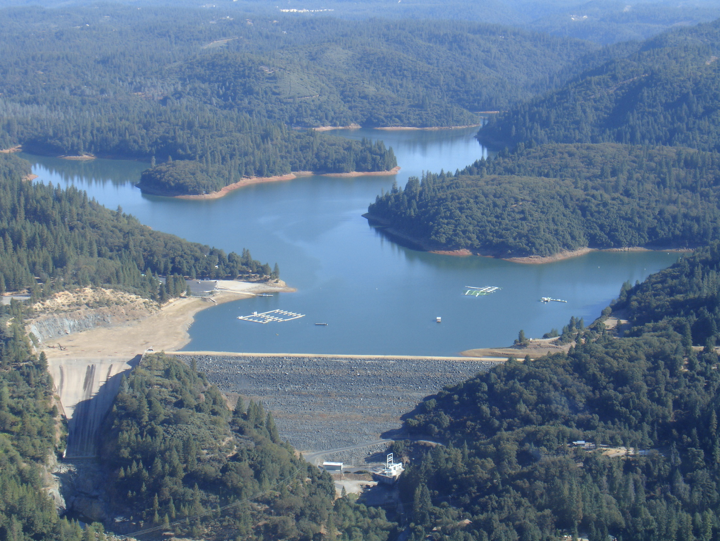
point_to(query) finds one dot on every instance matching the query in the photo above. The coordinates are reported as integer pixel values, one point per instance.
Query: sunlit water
(377, 297)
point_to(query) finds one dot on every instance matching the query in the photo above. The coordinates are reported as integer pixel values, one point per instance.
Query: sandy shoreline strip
(431, 128)
(17, 148)
(164, 330)
(249, 181)
(352, 126)
(82, 158)
(400, 128)
(352, 174)
(536, 348)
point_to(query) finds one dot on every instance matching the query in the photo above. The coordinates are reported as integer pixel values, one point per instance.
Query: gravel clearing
(328, 402)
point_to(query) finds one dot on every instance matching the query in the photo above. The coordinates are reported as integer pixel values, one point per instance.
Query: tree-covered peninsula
(617, 437)
(554, 198)
(53, 239)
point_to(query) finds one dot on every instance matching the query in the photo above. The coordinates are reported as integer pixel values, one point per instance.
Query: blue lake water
(376, 296)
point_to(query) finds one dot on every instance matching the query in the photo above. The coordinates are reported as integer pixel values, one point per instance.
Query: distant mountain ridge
(666, 93)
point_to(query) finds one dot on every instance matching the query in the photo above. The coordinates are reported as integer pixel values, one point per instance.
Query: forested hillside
(53, 239)
(684, 296)
(180, 460)
(551, 198)
(510, 469)
(664, 94)
(623, 155)
(224, 91)
(28, 438)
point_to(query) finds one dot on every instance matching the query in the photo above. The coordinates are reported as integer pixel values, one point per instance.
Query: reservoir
(377, 297)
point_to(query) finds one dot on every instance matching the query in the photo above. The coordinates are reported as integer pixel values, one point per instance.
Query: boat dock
(273, 316)
(480, 291)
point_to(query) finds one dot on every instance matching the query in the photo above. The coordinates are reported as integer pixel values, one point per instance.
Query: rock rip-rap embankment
(328, 402)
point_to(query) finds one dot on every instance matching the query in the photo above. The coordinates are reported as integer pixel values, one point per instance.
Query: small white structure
(333, 466)
(391, 473)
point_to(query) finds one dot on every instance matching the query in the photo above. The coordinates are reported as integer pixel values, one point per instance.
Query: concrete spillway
(87, 389)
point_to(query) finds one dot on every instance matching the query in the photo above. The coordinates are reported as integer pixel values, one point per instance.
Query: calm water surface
(376, 296)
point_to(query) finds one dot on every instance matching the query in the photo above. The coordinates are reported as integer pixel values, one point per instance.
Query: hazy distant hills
(666, 93)
(600, 21)
(381, 73)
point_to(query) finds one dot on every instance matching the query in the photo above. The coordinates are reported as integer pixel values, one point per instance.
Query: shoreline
(430, 128)
(536, 348)
(285, 356)
(419, 244)
(163, 330)
(17, 148)
(278, 178)
(397, 128)
(81, 158)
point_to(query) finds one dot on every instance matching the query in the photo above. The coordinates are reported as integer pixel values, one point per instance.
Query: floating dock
(264, 294)
(480, 291)
(550, 299)
(273, 316)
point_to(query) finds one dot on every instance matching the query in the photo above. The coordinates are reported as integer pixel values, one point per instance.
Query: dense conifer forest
(665, 93)
(180, 460)
(552, 198)
(564, 186)
(53, 239)
(29, 438)
(643, 406)
(225, 92)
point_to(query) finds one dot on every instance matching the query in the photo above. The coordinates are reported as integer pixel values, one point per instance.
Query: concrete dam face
(87, 389)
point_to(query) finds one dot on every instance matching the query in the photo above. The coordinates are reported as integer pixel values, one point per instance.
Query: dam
(325, 402)
(319, 402)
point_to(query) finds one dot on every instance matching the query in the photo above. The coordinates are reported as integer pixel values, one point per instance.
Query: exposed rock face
(48, 327)
(85, 309)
